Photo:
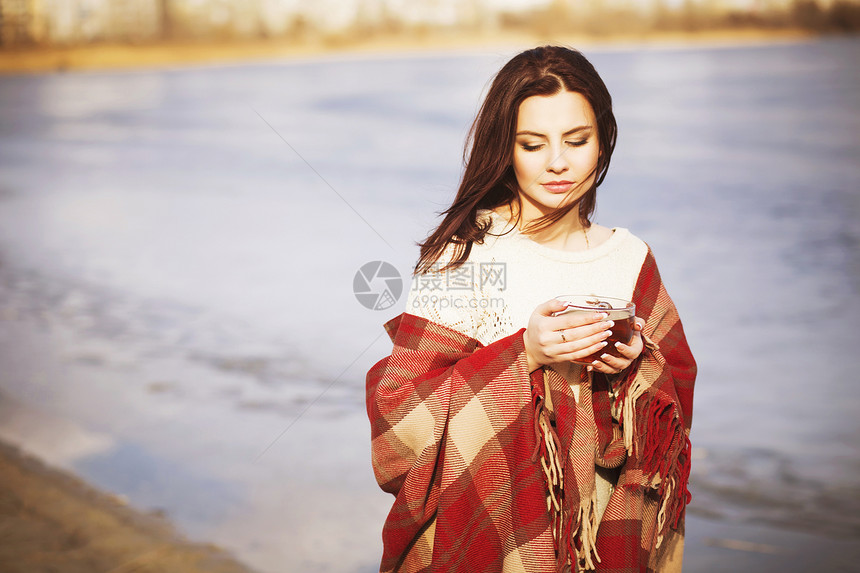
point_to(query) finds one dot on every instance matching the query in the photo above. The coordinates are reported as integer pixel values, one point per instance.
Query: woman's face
(555, 151)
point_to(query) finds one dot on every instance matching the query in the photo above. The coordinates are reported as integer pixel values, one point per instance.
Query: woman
(502, 452)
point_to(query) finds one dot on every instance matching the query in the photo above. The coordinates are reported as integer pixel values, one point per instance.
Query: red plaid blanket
(492, 468)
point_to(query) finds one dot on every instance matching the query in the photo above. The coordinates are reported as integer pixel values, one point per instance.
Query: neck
(568, 233)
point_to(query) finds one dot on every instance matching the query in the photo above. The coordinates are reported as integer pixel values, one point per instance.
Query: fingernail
(604, 343)
(610, 323)
(604, 356)
(617, 345)
(600, 315)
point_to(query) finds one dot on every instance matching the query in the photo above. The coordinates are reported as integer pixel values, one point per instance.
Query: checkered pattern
(456, 440)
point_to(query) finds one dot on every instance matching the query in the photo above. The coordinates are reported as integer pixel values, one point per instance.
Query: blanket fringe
(628, 398)
(675, 496)
(663, 450)
(574, 538)
(586, 534)
(659, 441)
(653, 434)
(547, 450)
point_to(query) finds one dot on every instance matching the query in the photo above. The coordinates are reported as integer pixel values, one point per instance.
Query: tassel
(634, 391)
(661, 515)
(657, 438)
(547, 448)
(580, 537)
(665, 462)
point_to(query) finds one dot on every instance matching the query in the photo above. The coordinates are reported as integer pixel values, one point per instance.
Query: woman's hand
(571, 336)
(609, 364)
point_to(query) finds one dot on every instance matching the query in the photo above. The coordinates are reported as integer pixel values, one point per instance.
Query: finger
(572, 339)
(584, 336)
(638, 324)
(613, 362)
(576, 318)
(579, 354)
(572, 317)
(627, 351)
(601, 366)
(583, 331)
(632, 350)
(551, 307)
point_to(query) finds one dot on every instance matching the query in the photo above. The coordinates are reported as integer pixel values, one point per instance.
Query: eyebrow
(565, 134)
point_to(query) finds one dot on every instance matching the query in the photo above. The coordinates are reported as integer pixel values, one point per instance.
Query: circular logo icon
(377, 285)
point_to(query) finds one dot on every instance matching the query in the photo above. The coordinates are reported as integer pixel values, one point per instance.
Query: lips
(557, 186)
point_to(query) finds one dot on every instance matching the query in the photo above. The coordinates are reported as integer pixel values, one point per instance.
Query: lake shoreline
(114, 56)
(53, 521)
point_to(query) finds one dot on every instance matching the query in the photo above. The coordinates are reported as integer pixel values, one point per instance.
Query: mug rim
(617, 303)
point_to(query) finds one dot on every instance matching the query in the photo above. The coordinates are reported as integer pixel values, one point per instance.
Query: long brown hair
(488, 180)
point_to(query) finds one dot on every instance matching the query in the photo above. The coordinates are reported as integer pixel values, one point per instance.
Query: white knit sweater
(495, 292)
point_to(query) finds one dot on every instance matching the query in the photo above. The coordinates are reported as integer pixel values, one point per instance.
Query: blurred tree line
(594, 17)
(842, 15)
(75, 22)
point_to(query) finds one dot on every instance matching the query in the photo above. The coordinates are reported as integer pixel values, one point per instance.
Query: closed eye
(527, 147)
(579, 143)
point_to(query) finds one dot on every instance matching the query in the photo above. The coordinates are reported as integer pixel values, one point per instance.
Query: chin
(554, 203)
(544, 203)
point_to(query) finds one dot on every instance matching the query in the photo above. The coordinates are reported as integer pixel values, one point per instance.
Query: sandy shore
(128, 56)
(51, 521)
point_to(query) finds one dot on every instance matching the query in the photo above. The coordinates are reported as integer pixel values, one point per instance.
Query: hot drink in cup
(619, 310)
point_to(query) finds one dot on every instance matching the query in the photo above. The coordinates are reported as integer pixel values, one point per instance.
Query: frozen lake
(178, 248)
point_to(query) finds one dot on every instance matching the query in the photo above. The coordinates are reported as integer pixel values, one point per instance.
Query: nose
(558, 164)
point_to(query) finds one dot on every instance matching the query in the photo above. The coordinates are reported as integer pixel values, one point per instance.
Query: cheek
(595, 153)
(526, 165)
(588, 159)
